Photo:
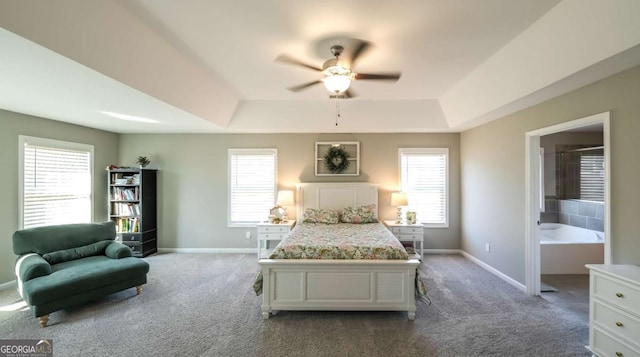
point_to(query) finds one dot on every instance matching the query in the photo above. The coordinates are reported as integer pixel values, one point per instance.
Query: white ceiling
(208, 66)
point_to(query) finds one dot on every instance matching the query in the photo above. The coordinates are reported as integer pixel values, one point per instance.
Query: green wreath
(336, 160)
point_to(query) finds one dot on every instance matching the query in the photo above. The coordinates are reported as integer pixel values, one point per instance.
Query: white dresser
(614, 310)
(270, 232)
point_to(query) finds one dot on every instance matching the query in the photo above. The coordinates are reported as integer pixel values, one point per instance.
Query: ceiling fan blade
(303, 86)
(290, 60)
(362, 47)
(379, 76)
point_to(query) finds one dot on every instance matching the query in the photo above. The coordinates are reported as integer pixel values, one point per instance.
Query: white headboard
(335, 195)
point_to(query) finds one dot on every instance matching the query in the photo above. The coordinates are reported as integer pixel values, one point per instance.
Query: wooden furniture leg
(138, 289)
(43, 320)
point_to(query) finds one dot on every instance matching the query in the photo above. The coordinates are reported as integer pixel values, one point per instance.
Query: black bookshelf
(133, 208)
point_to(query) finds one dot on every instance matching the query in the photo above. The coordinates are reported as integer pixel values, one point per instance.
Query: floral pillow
(319, 215)
(362, 214)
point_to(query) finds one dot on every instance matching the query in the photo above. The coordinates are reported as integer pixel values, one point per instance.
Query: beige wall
(192, 183)
(14, 124)
(486, 188)
(493, 170)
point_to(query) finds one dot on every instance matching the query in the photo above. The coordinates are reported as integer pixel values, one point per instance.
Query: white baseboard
(208, 250)
(12, 283)
(8, 285)
(493, 270)
(442, 251)
(255, 251)
(426, 251)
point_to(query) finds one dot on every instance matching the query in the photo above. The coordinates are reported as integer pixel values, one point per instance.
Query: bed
(312, 283)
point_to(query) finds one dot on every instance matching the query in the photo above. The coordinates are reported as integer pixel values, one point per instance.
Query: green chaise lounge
(67, 265)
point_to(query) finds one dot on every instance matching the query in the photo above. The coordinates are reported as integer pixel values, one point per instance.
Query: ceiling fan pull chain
(337, 110)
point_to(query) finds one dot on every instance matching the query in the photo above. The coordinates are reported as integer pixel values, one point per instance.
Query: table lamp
(285, 198)
(399, 199)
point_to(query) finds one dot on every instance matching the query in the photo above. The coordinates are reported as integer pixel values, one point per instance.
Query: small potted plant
(143, 161)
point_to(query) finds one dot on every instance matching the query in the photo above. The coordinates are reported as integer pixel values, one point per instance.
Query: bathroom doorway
(557, 209)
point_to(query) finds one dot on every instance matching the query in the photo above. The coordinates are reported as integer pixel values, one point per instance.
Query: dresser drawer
(406, 230)
(410, 237)
(604, 345)
(619, 322)
(273, 236)
(617, 293)
(273, 229)
(129, 237)
(136, 247)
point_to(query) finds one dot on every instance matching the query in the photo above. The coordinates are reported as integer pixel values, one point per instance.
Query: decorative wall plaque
(337, 158)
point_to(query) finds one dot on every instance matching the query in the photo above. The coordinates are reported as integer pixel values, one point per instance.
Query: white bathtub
(566, 249)
(556, 233)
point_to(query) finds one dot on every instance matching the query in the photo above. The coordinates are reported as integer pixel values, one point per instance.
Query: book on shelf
(128, 225)
(125, 193)
(119, 178)
(126, 209)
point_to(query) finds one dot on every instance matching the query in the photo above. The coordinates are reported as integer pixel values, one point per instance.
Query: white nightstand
(409, 233)
(271, 231)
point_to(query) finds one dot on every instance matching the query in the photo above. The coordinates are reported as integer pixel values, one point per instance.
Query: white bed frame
(320, 284)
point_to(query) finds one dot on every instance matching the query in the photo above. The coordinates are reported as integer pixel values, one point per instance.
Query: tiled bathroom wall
(584, 214)
(550, 214)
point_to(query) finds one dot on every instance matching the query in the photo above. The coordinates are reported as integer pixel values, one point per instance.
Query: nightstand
(409, 233)
(271, 231)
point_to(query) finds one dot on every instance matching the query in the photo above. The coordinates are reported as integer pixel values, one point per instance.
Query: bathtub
(566, 249)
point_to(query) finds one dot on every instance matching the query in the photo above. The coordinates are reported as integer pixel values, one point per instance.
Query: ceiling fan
(338, 73)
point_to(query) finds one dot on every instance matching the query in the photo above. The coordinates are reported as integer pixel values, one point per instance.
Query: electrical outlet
(487, 247)
(248, 235)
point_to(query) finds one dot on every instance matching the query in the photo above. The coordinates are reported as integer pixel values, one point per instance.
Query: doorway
(534, 195)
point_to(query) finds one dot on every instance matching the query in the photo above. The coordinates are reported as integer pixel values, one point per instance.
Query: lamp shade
(285, 198)
(399, 199)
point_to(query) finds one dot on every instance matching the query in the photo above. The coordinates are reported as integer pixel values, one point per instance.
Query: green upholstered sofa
(67, 265)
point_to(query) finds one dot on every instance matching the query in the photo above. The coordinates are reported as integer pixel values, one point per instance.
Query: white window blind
(252, 185)
(424, 178)
(592, 177)
(56, 182)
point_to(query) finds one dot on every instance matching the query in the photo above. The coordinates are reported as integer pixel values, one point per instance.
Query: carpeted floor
(203, 305)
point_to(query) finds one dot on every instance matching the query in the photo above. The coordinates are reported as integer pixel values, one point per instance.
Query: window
(252, 185)
(592, 177)
(424, 177)
(55, 182)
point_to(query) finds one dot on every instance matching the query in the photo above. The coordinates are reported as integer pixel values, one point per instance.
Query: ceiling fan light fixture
(337, 83)
(332, 66)
(337, 74)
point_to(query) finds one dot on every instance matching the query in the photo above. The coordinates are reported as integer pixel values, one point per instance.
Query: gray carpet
(203, 305)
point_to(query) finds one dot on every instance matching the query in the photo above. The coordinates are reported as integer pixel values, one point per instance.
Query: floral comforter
(340, 241)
